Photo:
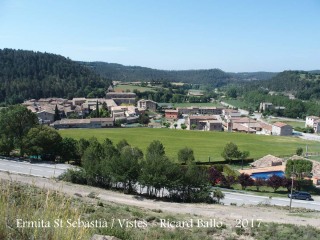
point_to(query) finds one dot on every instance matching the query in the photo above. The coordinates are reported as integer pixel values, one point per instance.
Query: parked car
(301, 196)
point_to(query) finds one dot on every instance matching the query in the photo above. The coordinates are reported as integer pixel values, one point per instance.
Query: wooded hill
(28, 74)
(304, 85)
(216, 77)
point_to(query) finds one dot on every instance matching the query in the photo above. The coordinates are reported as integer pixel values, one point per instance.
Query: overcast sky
(233, 35)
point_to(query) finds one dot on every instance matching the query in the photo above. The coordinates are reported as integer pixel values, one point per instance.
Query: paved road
(248, 199)
(34, 169)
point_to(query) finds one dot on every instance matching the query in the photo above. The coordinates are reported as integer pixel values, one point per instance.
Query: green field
(132, 87)
(237, 103)
(204, 144)
(215, 104)
(293, 124)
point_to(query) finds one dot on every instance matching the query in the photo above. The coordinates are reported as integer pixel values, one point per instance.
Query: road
(35, 169)
(249, 199)
(54, 170)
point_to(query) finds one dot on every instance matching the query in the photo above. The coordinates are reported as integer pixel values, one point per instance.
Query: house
(46, 116)
(71, 123)
(171, 114)
(84, 123)
(200, 110)
(266, 128)
(122, 98)
(78, 101)
(265, 106)
(281, 129)
(147, 105)
(267, 161)
(269, 106)
(231, 113)
(102, 122)
(313, 122)
(238, 127)
(205, 123)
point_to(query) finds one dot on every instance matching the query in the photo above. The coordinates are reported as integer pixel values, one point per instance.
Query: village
(124, 109)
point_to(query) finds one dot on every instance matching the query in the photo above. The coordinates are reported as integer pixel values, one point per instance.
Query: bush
(77, 176)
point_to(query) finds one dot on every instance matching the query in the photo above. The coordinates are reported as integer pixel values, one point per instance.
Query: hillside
(304, 85)
(120, 72)
(28, 74)
(252, 76)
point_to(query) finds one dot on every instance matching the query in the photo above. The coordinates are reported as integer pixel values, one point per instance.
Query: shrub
(77, 176)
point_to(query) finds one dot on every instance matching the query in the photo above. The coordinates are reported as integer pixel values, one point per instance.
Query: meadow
(204, 144)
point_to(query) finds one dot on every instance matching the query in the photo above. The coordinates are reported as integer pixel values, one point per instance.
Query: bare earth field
(228, 215)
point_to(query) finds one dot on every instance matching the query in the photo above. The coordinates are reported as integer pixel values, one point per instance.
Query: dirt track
(226, 214)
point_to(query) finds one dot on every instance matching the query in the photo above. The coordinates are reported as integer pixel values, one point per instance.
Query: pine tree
(97, 110)
(56, 114)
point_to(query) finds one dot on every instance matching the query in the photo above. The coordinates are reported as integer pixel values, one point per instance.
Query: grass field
(132, 87)
(215, 104)
(291, 123)
(237, 103)
(204, 144)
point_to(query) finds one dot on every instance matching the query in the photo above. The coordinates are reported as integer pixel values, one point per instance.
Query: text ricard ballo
(122, 223)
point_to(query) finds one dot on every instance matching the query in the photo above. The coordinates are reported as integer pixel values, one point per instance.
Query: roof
(266, 161)
(280, 124)
(203, 117)
(73, 121)
(101, 119)
(240, 127)
(266, 126)
(171, 111)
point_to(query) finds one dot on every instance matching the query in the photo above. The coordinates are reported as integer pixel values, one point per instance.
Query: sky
(233, 35)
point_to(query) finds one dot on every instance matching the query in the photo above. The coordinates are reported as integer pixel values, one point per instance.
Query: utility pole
(291, 188)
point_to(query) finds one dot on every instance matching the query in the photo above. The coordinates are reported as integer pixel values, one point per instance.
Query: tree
(126, 169)
(82, 145)
(183, 126)
(287, 183)
(186, 155)
(214, 176)
(218, 194)
(143, 119)
(299, 151)
(154, 168)
(275, 182)
(175, 125)
(97, 109)
(69, 150)
(15, 123)
(230, 151)
(245, 180)
(227, 181)
(299, 167)
(56, 114)
(259, 182)
(6, 145)
(93, 161)
(121, 144)
(232, 92)
(43, 141)
(193, 126)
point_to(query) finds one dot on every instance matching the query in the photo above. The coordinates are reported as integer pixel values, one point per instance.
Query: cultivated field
(204, 144)
(124, 87)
